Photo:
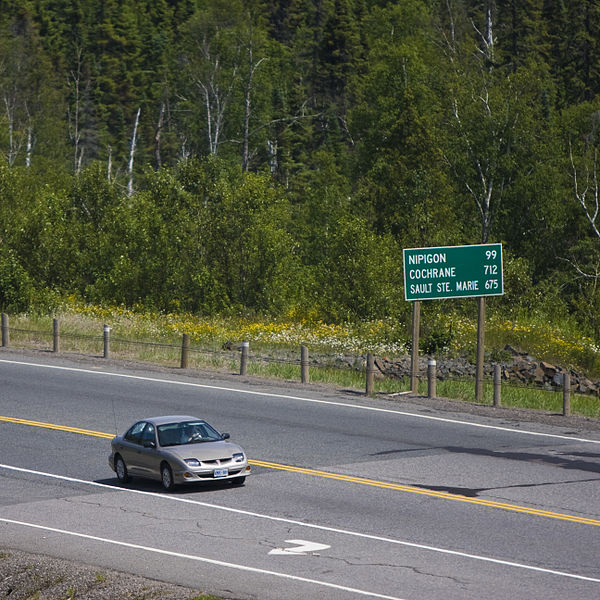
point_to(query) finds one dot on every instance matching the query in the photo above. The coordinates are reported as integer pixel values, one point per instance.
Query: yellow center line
(58, 427)
(426, 492)
(346, 478)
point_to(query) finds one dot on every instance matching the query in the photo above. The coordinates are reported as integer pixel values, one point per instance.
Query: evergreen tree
(521, 31)
(573, 29)
(395, 121)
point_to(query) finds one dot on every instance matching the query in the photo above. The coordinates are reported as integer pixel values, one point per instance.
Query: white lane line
(335, 530)
(302, 399)
(203, 559)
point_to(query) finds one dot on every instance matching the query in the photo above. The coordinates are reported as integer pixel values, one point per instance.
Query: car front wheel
(238, 481)
(166, 477)
(121, 470)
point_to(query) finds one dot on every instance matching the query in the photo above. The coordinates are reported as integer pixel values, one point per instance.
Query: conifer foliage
(276, 156)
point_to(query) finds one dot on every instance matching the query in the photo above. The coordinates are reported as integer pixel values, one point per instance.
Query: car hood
(204, 450)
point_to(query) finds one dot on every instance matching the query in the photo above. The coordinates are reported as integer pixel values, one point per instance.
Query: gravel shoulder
(25, 576)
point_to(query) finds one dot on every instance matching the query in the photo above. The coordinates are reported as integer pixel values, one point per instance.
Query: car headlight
(192, 462)
(238, 457)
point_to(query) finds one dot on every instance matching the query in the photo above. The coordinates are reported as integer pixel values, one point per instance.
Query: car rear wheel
(121, 470)
(238, 480)
(166, 477)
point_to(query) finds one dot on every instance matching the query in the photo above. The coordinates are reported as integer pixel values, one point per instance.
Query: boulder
(509, 348)
(538, 375)
(549, 370)
(584, 386)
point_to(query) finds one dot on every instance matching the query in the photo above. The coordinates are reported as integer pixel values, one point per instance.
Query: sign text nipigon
(453, 272)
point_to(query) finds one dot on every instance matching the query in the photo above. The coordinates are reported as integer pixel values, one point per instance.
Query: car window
(149, 434)
(134, 435)
(206, 432)
(186, 432)
(168, 435)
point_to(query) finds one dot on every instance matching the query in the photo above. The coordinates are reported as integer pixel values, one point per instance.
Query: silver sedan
(177, 449)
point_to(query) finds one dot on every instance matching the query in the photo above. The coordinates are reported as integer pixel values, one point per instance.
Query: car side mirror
(149, 444)
(225, 436)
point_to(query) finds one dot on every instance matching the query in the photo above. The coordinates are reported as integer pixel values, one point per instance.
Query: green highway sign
(453, 272)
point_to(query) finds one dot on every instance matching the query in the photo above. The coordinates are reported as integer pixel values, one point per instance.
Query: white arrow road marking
(302, 549)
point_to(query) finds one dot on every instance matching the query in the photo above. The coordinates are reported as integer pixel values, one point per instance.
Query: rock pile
(522, 369)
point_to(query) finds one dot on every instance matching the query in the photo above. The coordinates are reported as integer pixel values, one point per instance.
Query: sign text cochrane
(453, 272)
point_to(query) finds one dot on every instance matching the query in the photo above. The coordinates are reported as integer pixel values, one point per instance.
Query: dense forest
(274, 157)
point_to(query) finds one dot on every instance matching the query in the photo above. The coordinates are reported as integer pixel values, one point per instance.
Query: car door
(131, 448)
(149, 458)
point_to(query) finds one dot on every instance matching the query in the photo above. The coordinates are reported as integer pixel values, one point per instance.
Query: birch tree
(252, 66)
(586, 190)
(584, 255)
(226, 51)
(484, 109)
(79, 89)
(132, 147)
(211, 59)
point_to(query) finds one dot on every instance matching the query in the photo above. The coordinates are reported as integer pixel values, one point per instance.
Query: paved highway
(348, 498)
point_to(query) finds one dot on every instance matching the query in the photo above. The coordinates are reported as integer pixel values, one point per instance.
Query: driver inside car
(191, 434)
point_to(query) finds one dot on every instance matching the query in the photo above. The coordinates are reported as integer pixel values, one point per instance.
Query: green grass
(340, 377)
(518, 397)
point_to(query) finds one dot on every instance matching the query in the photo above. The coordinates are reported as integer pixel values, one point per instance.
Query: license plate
(220, 473)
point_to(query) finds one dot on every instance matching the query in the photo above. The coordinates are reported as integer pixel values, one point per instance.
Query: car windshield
(186, 432)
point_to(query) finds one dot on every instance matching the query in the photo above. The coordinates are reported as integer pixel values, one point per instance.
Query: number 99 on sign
(490, 254)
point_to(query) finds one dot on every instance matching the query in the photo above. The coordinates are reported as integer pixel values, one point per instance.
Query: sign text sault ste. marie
(453, 272)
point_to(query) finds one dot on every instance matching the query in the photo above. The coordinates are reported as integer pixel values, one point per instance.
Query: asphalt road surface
(349, 497)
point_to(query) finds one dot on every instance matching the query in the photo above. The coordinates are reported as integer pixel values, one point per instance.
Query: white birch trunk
(132, 153)
(109, 166)
(157, 136)
(29, 146)
(74, 128)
